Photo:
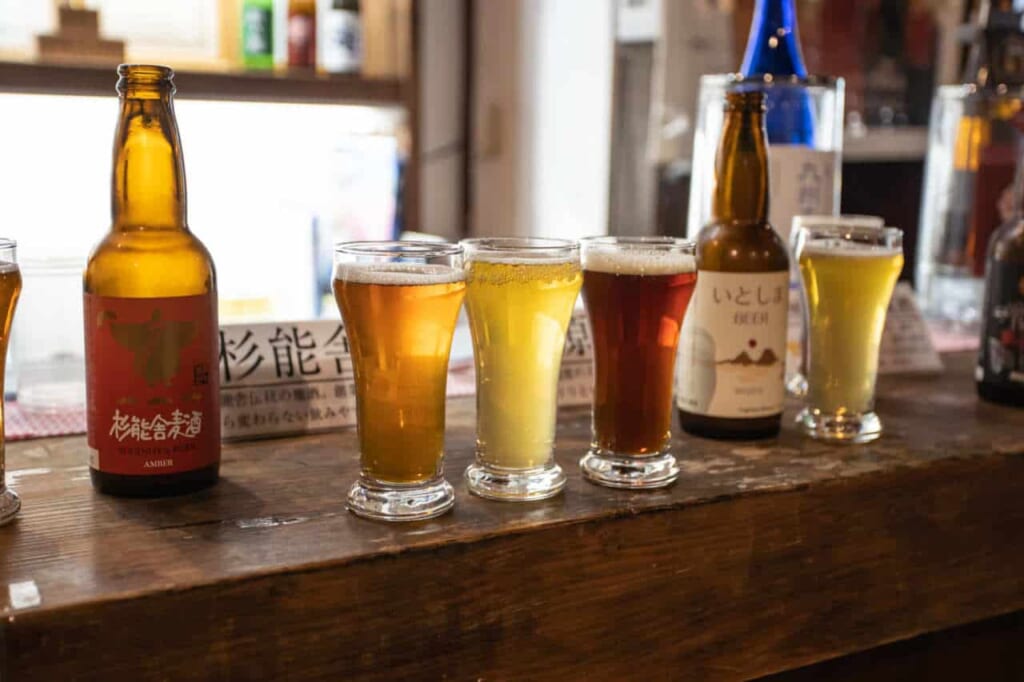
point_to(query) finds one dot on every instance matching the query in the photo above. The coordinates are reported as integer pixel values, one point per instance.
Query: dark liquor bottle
(734, 336)
(151, 334)
(1000, 371)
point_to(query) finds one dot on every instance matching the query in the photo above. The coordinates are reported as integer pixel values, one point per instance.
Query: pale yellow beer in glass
(520, 294)
(796, 382)
(848, 275)
(10, 289)
(400, 302)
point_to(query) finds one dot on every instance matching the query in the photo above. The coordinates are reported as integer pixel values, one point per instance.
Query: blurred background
(449, 117)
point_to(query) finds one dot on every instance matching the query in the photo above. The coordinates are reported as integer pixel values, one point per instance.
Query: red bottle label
(152, 384)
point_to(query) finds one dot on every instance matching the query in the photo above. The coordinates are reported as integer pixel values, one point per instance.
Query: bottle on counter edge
(732, 351)
(1000, 370)
(151, 332)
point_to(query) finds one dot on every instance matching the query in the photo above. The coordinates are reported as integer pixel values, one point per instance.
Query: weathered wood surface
(763, 557)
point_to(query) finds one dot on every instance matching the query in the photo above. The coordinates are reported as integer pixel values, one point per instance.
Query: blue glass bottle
(773, 48)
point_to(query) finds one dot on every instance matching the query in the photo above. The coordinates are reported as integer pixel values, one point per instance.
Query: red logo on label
(152, 383)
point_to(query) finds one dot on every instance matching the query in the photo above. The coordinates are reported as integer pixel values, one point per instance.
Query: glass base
(515, 485)
(9, 506)
(391, 502)
(624, 471)
(840, 428)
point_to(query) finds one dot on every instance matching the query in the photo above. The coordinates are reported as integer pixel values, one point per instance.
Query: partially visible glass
(636, 290)
(48, 350)
(400, 302)
(796, 382)
(972, 155)
(520, 294)
(10, 289)
(848, 275)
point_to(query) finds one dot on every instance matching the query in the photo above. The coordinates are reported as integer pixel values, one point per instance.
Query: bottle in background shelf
(1000, 370)
(258, 34)
(340, 37)
(731, 369)
(151, 332)
(301, 34)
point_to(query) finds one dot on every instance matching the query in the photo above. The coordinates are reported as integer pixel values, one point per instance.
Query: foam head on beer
(638, 261)
(398, 274)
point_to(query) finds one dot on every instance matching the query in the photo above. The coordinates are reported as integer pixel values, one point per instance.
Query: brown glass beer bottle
(151, 334)
(732, 350)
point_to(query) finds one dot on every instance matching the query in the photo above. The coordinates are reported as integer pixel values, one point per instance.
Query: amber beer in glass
(10, 289)
(636, 291)
(848, 275)
(400, 302)
(151, 333)
(520, 293)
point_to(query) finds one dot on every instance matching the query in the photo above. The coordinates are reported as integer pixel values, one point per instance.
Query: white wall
(442, 116)
(542, 117)
(257, 174)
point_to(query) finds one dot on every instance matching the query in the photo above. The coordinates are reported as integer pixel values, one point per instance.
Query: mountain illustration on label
(156, 344)
(767, 359)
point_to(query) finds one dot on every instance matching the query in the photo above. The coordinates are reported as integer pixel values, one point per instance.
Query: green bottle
(258, 34)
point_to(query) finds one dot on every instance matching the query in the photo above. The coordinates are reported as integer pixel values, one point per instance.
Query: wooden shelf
(908, 143)
(763, 557)
(55, 79)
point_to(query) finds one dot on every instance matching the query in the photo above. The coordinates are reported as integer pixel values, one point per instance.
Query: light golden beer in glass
(796, 382)
(848, 275)
(400, 302)
(10, 289)
(520, 295)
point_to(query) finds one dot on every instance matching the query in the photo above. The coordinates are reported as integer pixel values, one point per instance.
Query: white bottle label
(802, 182)
(733, 345)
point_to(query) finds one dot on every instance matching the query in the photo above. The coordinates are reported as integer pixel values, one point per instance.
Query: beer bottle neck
(741, 170)
(149, 176)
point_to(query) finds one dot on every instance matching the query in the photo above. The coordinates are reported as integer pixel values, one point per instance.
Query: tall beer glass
(10, 289)
(848, 274)
(400, 301)
(636, 292)
(520, 293)
(796, 382)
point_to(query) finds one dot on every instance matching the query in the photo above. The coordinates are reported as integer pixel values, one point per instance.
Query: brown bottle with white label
(730, 381)
(151, 334)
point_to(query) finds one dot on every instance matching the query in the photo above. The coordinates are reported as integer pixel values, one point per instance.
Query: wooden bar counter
(764, 557)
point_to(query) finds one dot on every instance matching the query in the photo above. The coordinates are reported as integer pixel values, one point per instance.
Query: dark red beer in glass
(636, 291)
